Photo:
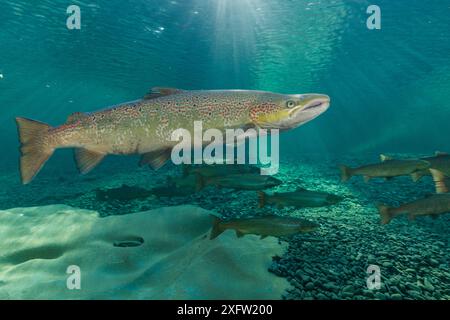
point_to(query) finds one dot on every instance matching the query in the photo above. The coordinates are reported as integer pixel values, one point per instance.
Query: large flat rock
(175, 261)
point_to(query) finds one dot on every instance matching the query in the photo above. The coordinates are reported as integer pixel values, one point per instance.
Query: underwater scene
(225, 149)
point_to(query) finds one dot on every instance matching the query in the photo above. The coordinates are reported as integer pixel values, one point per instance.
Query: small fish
(239, 182)
(264, 226)
(301, 198)
(432, 205)
(215, 170)
(123, 193)
(145, 126)
(440, 161)
(387, 168)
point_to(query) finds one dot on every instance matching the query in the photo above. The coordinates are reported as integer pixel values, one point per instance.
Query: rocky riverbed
(331, 263)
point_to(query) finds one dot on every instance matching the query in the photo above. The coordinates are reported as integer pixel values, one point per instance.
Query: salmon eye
(290, 104)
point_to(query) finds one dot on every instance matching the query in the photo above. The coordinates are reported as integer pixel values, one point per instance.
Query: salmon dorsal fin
(158, 92)
(76, 116)
(384, 158)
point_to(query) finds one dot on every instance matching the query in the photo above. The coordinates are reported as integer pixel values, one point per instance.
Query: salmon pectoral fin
(35, 151)
(87, 160)
(155, 159)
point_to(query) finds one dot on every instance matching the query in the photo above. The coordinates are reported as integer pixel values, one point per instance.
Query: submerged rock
(158, 254)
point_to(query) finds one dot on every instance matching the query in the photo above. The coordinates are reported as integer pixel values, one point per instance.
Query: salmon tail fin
(440, 181)
(216, 229)
(385, 213)
(346, 173)
(34, 148)
(261, 199)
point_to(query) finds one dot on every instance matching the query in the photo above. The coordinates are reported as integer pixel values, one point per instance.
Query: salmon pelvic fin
(87, 160)
(385, 213)
(34, 147)
(155, 159)
(346, 173)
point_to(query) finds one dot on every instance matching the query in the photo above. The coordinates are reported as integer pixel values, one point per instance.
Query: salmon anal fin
(155, 159)
(87, 160)
(76, 116)
(158, 92)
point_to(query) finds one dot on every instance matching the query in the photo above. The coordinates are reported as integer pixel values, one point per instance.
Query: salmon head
(285, 112)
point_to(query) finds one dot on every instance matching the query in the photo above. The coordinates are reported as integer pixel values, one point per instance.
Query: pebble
(396, 296)
(309, 286)
(380, 296)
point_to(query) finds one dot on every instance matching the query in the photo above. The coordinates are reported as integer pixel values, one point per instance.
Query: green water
(389, 92)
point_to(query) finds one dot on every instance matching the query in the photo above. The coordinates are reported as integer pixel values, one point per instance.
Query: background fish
(145, 126)
(387, 168)
(300, 198)
(215, 170)
(432, 205)
(239, 181)
(440, 161)
(264, 226)
(123, 193)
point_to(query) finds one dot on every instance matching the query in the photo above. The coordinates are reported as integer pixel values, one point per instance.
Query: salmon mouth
(309, 106)
(315, 105)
